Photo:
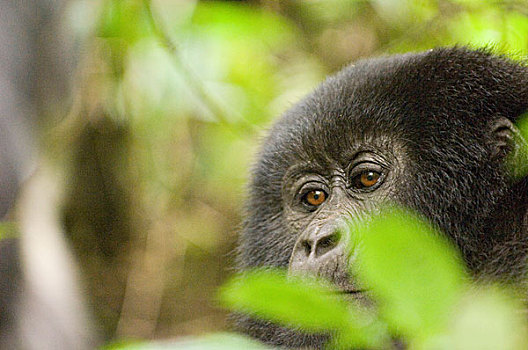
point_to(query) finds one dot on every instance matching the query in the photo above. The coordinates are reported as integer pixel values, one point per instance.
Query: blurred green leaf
(303, 303)
(217, 341)
(413, 272)
(522, 124)
(122, 344)
(488, 319)
(516, 28)
(221, 341)
(489, 25)
(242, 22)
(292, 301)
(480, 28)
(124, 19)
(242, 41)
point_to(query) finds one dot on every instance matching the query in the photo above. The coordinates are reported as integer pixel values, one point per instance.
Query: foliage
(193, 83)
(417, 282)
(218, 341)
(414, 274)
(306, 304)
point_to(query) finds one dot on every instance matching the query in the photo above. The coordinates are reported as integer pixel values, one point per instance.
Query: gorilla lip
(352, 291)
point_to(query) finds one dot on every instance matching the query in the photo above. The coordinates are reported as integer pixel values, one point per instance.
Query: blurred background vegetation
(172, 98)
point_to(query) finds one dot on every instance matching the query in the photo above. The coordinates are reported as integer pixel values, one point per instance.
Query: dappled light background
(171, 101)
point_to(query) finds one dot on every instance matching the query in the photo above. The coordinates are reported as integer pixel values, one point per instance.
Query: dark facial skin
(433, 132)
(317, 202)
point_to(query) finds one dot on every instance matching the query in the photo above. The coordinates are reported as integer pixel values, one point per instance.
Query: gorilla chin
(433, 132)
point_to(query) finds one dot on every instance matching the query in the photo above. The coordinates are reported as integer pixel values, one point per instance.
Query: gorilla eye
(314, 198)
(366, 179)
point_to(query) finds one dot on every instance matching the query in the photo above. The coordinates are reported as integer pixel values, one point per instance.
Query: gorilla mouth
(353, 294)
(358, 297)
(347, 284)
(349, 290)
(353, 291)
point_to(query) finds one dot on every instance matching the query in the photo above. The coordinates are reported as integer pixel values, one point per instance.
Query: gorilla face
(429, 131)
(320, 198)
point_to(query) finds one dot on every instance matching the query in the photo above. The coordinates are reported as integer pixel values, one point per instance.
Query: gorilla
(434, 132)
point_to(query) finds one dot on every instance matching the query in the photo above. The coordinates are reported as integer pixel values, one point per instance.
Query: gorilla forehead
(443, 97)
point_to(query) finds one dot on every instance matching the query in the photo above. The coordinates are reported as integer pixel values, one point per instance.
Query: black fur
(432, 113)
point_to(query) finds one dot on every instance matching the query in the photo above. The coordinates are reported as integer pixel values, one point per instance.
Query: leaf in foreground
(300, 303)
(217, 341)
(413, 273)
(488, 319)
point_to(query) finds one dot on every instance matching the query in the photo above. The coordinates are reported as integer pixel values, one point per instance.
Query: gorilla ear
(509, 146)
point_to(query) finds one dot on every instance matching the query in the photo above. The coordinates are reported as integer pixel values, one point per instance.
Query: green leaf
(242, 22)
(291, 301)
(490, 25)
(522, 124)
(414, 274)
(217, 341)
(303, 303)
(123, 19)
(488, 319)
(222, 341)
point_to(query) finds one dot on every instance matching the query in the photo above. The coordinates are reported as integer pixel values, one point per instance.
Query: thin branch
(196, 85)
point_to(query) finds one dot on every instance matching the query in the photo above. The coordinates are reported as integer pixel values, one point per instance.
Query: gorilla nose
(319, 247)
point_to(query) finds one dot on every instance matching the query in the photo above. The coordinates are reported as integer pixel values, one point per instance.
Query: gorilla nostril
(327, 243)
(307, 247)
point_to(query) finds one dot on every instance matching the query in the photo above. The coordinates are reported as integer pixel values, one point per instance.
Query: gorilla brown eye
(315, 198)
(366, 179)
(369, 178)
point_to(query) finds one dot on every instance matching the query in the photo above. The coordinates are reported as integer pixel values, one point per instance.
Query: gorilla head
(432, 131)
